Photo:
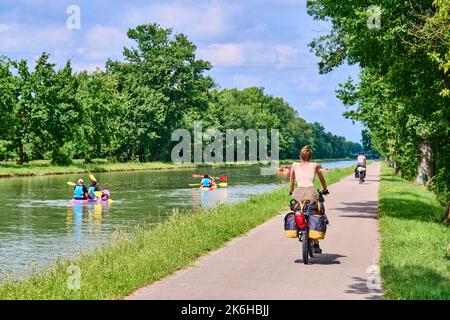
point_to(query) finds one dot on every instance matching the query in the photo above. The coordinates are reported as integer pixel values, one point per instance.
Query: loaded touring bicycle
(307, 222)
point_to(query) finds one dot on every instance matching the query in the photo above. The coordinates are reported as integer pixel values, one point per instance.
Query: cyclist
(361, 162)
(304, 172)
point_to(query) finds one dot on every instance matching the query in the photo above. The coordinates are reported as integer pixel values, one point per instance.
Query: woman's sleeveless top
(304, 174)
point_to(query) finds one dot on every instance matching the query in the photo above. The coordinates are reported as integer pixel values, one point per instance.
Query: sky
(261, 43)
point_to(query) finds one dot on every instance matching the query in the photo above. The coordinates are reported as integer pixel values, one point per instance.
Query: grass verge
(415, 262)
(124, 265)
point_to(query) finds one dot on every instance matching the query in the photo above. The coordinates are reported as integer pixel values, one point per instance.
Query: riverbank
(415, 257)
(44, 167)
(126, 264)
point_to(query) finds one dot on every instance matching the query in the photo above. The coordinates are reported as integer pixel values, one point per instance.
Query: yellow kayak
(214, 187)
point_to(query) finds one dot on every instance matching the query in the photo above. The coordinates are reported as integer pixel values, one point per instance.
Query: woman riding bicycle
(304, 172)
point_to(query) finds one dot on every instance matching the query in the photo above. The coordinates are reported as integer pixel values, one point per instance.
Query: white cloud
(244, 81)
(5, 27)
(228, 53)
(27, 39)
(77, 67)
(104, 42)
(248, 53)
(285, 54)
(200, 21)
(306, 84)
(289, 1)
(316, 105)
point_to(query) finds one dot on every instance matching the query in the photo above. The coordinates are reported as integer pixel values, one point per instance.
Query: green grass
(415, 262)
(126, 264)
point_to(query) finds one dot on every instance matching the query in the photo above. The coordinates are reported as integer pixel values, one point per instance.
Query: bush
(440, 186)
(62, 156)
(5, 151)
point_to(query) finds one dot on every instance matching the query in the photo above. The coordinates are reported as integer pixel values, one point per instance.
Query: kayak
(96, 200)
(283, 170)
(88, 201)
(214, 187)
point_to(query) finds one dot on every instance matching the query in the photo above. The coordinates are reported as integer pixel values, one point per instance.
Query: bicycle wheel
(305, 248)
(311, 249)
(360, 179)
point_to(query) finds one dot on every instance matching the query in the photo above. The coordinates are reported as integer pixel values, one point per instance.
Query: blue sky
(250, 43)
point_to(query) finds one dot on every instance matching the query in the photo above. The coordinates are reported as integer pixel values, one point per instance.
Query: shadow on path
(324, 258)
(367, 209)
(359, 286)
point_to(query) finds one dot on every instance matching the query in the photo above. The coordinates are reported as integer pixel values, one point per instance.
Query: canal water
(38, 224)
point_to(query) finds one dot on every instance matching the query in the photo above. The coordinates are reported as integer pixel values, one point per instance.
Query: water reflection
(90, 214)
(204, 199)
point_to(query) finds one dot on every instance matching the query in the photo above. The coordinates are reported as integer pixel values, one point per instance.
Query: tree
(161, 80)
(8, 85)
(103, 108)
(53, 101)
(366, 140)
(433, 35)
(398, 96)
(24, 119)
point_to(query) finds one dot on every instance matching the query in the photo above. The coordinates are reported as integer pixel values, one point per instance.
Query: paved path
(265, 265)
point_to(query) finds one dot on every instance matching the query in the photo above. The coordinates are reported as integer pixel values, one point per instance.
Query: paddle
(223, 179)
(71, 184)
(198, 184)
(92, 177)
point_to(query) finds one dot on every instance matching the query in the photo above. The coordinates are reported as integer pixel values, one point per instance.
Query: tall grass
(128, 263)
(415, 262)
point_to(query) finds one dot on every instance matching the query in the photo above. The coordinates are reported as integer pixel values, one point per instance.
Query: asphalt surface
(263, 264)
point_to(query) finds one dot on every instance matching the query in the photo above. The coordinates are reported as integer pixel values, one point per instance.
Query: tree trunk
(397, 169)
(425, 166)
(447, 215)
(21, 154)
(133, 153)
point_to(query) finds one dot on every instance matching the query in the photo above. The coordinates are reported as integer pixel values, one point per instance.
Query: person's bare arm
(321, 177)
(292, 179)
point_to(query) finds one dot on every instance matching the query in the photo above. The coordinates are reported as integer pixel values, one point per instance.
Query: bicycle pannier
(317, 226)
(290, 226)
(316, 208)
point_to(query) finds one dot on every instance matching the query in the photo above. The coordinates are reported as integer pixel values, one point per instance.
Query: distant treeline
(128, 111)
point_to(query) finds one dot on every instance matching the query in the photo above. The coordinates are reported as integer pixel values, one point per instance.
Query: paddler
(80, 192)
(206, 182)
(93, 186)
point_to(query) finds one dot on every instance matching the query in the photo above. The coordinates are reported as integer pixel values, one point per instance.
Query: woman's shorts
(305, 193)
